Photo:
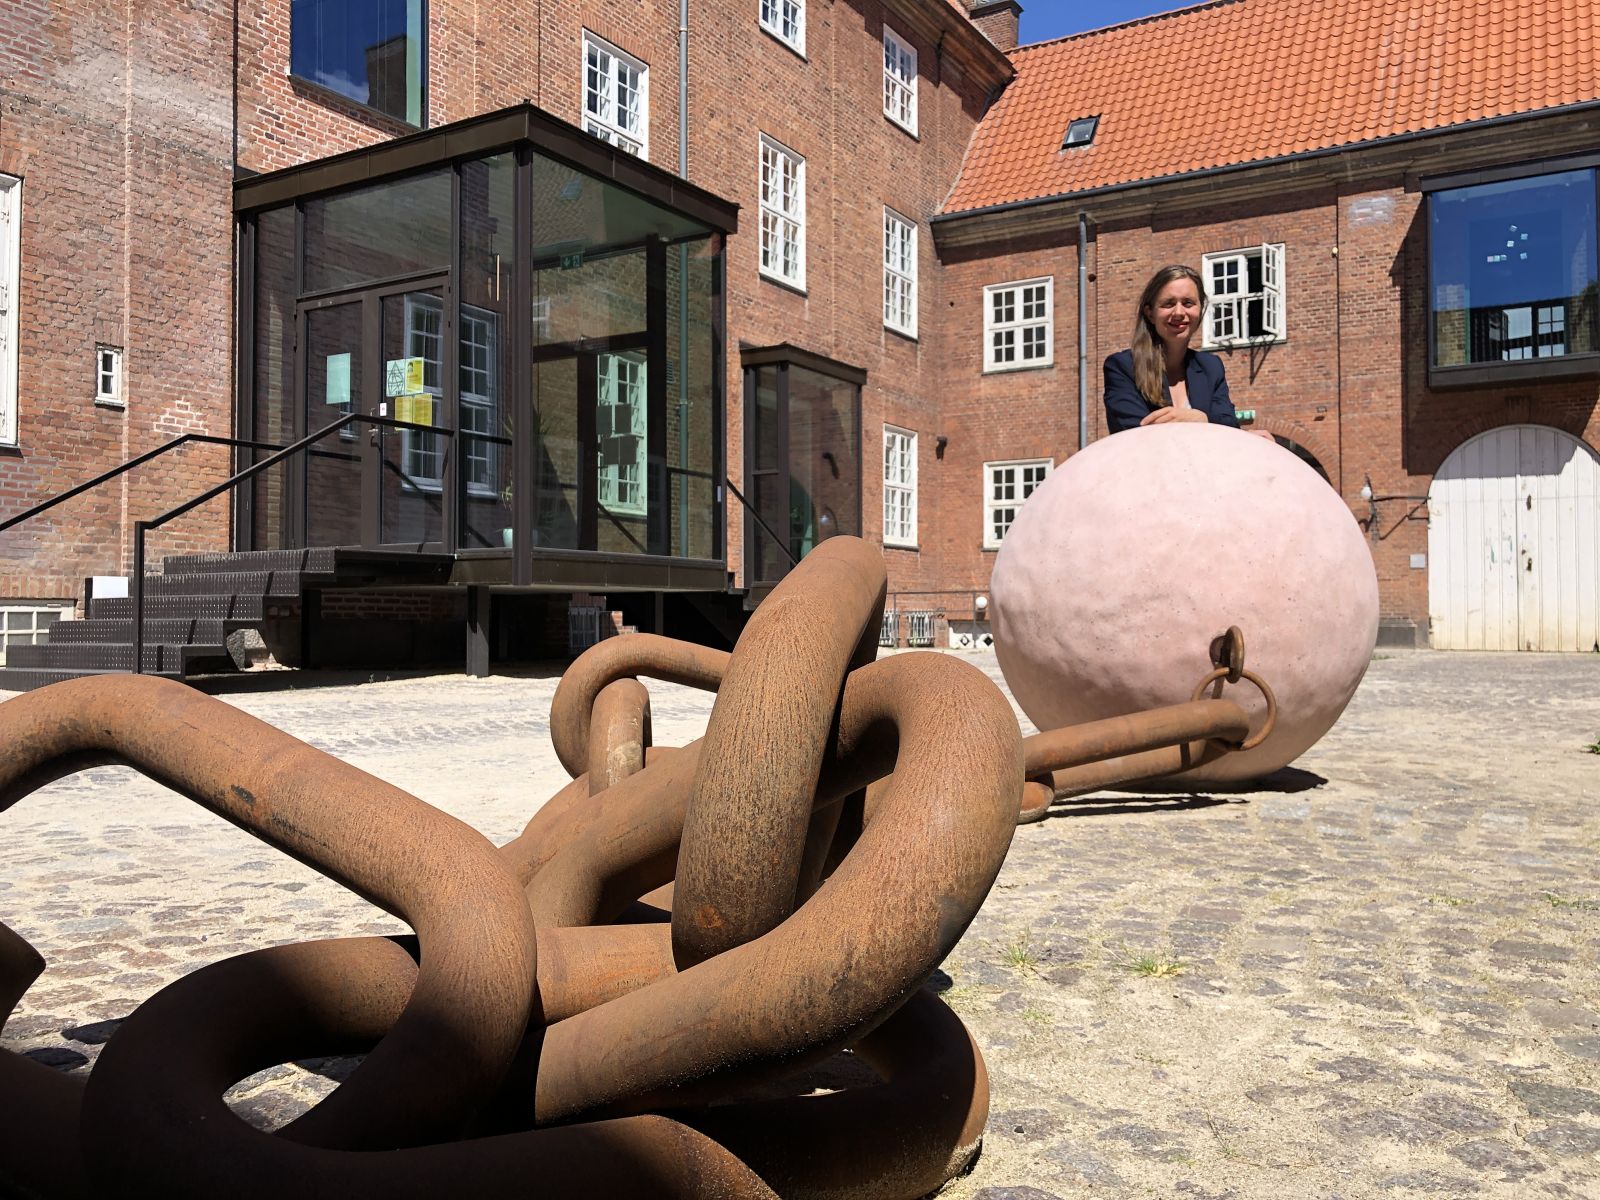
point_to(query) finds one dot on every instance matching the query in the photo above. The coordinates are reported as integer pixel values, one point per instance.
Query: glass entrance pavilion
(512, 334)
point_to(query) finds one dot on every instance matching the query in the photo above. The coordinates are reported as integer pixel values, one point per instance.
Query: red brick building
(1342, 174)
(901, 348)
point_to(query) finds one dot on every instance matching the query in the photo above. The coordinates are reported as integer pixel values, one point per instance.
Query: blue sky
(1045, 19)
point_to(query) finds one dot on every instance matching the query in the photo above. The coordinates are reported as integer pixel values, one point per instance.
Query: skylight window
(1080, 132)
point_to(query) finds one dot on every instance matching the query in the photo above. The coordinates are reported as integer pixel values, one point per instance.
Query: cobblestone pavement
(1381, 984)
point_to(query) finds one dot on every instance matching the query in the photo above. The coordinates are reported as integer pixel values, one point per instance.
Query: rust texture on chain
(633, 997)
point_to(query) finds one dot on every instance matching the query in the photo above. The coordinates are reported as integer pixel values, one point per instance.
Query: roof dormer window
(1080, 132)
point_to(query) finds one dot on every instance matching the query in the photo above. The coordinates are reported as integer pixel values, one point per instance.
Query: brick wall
(118, 124)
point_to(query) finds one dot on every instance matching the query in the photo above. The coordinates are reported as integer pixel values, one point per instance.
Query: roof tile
(1240, 81)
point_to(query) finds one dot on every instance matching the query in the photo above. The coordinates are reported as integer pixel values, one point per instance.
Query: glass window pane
(396, 228)
(370, 51)
(1511, 264)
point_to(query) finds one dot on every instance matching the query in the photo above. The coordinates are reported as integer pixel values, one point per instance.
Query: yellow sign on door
(418, 409)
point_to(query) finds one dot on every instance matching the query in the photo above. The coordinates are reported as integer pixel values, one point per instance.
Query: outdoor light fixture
(981, 605)
(1366, 488)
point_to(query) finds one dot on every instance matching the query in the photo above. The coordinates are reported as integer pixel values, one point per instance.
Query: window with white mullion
(786, 21)
(478, 393)
(10, 284)
(1006, 486)
(1018, 325)
(1246, 295)
(899, 273)
(622, 433)
(899, 80)
(783, 213)
(899, 487)
(615, 96)
(421, 454)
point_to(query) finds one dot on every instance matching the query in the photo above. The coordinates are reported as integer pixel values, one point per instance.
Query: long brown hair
(1148, 363)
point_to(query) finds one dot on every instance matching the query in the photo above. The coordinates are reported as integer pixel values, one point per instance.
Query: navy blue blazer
(1208, 391)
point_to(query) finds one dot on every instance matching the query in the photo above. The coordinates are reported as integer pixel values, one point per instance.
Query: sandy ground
(1378, 978)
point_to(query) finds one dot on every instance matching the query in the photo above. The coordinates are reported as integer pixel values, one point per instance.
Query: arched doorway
(1304, 455)
(1514, 543)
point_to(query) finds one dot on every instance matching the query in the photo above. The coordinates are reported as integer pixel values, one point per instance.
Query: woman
(1159, 379)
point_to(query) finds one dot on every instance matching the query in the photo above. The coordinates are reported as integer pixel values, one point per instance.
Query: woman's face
(1175, 312)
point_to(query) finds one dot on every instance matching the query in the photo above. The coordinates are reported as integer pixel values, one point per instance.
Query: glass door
(413, 465)
(335, 385)
(379, 353)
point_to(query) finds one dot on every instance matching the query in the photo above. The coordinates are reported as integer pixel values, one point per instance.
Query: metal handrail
(782, 545)
(128, 466)
(136, 584)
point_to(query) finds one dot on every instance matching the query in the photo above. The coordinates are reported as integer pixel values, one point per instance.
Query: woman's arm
(1125, 407)
(1222, 411)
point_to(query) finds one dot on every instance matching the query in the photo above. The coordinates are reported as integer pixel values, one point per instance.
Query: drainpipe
(1083, 330)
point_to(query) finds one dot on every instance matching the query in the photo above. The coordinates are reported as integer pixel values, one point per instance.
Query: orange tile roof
(1242, 81)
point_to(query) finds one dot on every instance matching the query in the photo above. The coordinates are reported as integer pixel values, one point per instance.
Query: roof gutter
(1258, 163)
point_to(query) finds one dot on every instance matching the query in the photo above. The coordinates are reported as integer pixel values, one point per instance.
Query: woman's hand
(1165, 416)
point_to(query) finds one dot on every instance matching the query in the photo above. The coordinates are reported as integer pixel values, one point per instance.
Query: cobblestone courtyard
(1384, 983)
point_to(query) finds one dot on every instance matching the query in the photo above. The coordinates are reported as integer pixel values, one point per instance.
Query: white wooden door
(1514, 543)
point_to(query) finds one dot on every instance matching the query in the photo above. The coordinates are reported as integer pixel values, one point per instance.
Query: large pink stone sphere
(1138, 551)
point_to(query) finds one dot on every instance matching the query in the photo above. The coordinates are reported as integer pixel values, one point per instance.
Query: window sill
(356, 109)
(799, 289)
(910, 335)
(798, 51)
(989, 369)
(1526, 370)
(1241, 344)
(913, 546)
(113, 405)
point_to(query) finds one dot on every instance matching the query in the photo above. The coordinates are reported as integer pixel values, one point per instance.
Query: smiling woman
(369, 51)
(1158, 379)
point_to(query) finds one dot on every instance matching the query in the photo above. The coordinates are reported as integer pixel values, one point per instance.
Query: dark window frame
(322, 89)
(1493, 374)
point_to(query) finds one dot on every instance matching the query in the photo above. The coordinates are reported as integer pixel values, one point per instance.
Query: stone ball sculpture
(1136, 552)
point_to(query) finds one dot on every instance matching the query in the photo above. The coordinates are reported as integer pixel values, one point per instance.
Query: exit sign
(1246, 414)
(571, 261)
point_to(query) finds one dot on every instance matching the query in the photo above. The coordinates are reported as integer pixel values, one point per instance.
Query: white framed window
(1019, 324)
(899, 487)
(10, 286)
(108, 376)
(899, 273)
(422, 454)
(786, 21)
(1246, 289)
(28, 623)
(621, 430)
(616, 96)
(783, 213)
(480, 390)
(1005, 486)
(899, 80)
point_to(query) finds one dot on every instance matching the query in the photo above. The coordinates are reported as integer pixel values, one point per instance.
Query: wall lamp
(939, 443)
(1373, 501)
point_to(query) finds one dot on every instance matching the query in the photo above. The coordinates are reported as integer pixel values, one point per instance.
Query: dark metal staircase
(195, 603)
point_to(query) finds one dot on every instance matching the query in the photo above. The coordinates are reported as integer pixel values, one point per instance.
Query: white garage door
(1514, 543)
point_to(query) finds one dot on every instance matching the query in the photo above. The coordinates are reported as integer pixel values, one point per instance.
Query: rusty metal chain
(590, 1005)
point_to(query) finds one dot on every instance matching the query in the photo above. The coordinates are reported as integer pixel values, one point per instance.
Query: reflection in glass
(274, 374)
(391, 229)
(1514, 270)
(370, 51)
(333, 388)
(414, 463)
(487, 418)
